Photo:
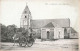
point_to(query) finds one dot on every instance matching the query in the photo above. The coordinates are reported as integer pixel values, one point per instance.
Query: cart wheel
(29, 43)
(22, 42)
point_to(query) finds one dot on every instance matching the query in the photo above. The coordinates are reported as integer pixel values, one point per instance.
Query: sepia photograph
(39, 25)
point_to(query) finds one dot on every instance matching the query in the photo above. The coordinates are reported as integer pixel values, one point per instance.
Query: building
(48, 28)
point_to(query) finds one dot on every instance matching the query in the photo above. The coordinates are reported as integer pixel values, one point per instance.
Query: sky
(11, 10)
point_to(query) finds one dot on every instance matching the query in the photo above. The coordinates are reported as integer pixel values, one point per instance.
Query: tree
(12, 29)
(0, 36)
(7, 32)
(20, 29)
(3, 33)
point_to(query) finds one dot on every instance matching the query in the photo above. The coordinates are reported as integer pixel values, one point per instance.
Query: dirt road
(60, 45)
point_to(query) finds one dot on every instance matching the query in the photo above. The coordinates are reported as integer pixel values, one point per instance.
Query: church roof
(26, 10)
(50, 23)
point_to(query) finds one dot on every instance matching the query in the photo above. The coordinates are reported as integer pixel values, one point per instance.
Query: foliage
(7, 32)
(3, 32)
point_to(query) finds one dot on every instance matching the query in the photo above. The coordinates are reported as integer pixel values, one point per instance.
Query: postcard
(39, 25)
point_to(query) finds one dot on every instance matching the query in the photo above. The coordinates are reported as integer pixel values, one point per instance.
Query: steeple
(25, 18)
(26, 10)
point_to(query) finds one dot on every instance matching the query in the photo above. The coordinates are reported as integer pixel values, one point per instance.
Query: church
(48, 29)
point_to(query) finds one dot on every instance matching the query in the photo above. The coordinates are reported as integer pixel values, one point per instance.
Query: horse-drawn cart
(24, 38)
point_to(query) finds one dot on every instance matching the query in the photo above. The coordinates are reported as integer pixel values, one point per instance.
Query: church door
(48, 34)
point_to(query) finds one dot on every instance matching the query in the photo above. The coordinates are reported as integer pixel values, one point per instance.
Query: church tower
(25, 18)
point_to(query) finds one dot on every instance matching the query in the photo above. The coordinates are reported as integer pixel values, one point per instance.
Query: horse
(16, 37)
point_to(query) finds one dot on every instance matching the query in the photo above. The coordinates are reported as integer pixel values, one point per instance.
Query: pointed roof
(49, 25)
(26, 10)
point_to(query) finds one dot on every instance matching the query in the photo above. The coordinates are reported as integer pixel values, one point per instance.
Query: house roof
(73, 31)
(49, 25)
(53, 22)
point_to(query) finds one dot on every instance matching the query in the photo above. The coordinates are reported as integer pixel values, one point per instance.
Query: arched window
(59, 34)
(25, 22)
(25, 16)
